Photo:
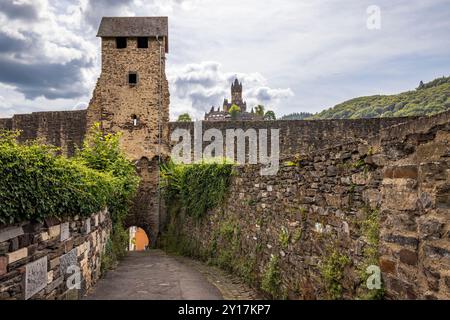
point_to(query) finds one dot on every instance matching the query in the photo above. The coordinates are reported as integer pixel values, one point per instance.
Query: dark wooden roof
(134, 27)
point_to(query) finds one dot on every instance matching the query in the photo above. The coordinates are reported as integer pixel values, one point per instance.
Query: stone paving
(232, 287)
(155, 275)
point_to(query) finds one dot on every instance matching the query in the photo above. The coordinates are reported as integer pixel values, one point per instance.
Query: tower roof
(134, 27)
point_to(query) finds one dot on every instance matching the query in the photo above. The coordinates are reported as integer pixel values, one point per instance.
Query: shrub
(198, 187)
(36, 183)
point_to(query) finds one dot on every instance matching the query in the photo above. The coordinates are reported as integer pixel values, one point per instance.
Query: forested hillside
(429, 98)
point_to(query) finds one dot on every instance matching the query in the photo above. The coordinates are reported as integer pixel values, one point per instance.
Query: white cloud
(197, 87)
(319, 50)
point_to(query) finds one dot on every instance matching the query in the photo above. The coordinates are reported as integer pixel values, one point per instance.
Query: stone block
(393, 192)
(331, 171)
(405, 172)
(387, 266)
(430, 228)
(44, 236)
(51, 221)
(3, 265)
(10, 232)
(4, 247)
(14, 244)
(56, 283)
(67, 260)
(361, 178)
(17, 255)
(50, 276)
(54, 263)
(54, 231)
(408, 257)
(403, 240)
(73, 294)
(35, 277)
(68, 245)
(443, 197)
(87, 226)
(25, 240)
(65, 231)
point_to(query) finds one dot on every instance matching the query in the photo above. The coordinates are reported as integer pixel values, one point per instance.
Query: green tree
(234, 111)
(270, 115)
(259, 110)
(184, 117)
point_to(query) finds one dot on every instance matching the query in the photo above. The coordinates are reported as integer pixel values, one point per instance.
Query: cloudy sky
(291, 55)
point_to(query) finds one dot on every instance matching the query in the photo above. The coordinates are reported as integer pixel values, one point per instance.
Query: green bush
(102, 153)
(36, 182)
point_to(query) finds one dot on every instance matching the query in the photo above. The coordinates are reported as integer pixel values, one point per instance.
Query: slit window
(142, 42)
(121, 42)
(135, 120)
(132, 78)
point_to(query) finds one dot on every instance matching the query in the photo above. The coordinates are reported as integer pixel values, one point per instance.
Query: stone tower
(132, 97)
(236, 95)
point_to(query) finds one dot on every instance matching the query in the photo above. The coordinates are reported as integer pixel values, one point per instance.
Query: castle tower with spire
(236, 99)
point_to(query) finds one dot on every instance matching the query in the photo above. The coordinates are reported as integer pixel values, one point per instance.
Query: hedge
(36, 183)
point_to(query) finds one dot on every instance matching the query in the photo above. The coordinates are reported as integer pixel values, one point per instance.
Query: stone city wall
(36, 258)
(64, 129)
(329, 214)
(302, 136)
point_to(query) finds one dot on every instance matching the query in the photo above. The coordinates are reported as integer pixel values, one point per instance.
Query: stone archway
(147, 209)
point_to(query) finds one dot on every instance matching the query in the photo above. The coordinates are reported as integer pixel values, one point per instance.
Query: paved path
(154, 275)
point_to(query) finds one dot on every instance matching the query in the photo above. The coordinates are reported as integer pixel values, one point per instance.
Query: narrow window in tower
(134, 119)
(132, 78)
(121, 42)
(142, 42)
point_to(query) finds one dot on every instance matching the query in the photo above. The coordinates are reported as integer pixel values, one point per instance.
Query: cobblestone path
(155, 275)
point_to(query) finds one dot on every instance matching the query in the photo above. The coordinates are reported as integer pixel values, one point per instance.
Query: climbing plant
(197, 187)
(271, 280)
(370, 227)
(332, 271)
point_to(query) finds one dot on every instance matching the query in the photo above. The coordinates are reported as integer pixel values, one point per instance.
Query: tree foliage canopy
(184, 117)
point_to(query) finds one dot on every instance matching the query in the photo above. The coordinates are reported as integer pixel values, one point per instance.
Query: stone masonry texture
(21, 252)
(321, 200)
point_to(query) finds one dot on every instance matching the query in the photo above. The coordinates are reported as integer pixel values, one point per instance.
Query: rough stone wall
(319, 206)
(415, 209)
(35, 257)
(64, 129)
(304, 136)
(6, 123)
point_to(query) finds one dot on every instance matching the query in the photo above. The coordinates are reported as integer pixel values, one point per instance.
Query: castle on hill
(236, 99)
